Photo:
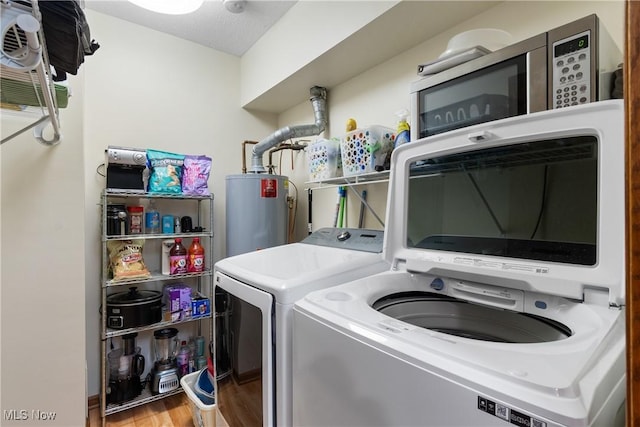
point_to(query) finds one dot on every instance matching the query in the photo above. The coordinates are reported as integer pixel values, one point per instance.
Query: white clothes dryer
(504, 303)
(261, 288)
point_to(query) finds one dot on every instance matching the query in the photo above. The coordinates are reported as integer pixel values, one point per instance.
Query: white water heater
(256, 211)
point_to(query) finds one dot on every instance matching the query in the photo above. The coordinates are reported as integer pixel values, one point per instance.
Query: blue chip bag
(165, 172)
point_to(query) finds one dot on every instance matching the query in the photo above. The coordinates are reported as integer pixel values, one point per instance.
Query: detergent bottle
(403, 134)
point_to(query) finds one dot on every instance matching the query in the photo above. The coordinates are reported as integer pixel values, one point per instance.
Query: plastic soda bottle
(178, 258)
(195, 260)
(152, 219)
(183, 359)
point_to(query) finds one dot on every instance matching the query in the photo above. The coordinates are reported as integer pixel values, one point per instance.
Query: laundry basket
(203, 415)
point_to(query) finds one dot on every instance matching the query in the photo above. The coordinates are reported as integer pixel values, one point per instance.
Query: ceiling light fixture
(234, 6)
(170, 7)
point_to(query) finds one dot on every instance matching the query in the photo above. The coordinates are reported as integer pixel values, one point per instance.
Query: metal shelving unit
(204, 207)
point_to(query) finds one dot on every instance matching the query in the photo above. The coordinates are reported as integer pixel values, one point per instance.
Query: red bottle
(195, 259)
(178, 258)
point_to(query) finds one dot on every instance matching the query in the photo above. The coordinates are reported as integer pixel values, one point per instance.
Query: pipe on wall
(244, 154)
(295, 146)
(318, 101)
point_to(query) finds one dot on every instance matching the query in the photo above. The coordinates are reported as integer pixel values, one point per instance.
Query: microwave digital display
(571, 46)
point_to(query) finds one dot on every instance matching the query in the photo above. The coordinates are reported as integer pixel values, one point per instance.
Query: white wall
(147, 89)
(374, 96)
(42, 283)
(305, 32)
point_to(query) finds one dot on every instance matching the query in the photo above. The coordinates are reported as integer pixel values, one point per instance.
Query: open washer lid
(533, 202)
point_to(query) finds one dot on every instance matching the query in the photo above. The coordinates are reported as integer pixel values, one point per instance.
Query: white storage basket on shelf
(366, 150)
(324, 159)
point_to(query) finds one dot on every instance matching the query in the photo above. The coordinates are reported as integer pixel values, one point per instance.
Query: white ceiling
(216, 27)
(212, 25)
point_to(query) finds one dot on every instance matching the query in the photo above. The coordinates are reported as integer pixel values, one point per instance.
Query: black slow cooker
(134, 308)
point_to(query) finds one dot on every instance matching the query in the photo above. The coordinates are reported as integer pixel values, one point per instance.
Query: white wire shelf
(110, 333)
(145, 397)
(156, 277)
(345, 181)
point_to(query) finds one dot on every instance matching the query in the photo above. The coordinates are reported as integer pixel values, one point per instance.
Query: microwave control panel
(571, 70)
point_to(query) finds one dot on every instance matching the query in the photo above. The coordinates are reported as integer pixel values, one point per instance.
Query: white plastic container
(324, 160)
(203, 415)
(489, 38)
(366, 150)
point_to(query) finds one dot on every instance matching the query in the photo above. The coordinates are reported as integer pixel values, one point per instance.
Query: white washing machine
(260, 289)
(504, 303)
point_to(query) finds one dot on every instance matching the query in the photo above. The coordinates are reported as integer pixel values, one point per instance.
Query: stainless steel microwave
(569, 65)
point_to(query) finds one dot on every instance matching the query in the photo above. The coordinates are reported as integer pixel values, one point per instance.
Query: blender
(126, 365)
(165, 369)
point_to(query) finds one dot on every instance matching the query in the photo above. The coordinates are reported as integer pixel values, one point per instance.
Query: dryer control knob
(344, 236)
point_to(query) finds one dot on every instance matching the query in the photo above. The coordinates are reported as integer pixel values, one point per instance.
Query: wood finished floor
(241, 403)
(245, 400)
(174, 411)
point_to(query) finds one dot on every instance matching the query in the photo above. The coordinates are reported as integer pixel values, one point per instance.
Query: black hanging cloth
(67, 35)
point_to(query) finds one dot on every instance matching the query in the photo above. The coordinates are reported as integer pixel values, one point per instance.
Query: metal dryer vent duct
(318, 100)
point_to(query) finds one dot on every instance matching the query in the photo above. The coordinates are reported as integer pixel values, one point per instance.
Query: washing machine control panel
(357, 239)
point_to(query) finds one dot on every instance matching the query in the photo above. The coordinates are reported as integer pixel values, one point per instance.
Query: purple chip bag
(195, 175)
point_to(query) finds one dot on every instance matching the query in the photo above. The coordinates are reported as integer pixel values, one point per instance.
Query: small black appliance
(126, 366)
(126, 169)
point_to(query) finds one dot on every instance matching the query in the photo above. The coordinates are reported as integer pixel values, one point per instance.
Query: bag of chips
(165, 172)
(125, 259)
(195, 175)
